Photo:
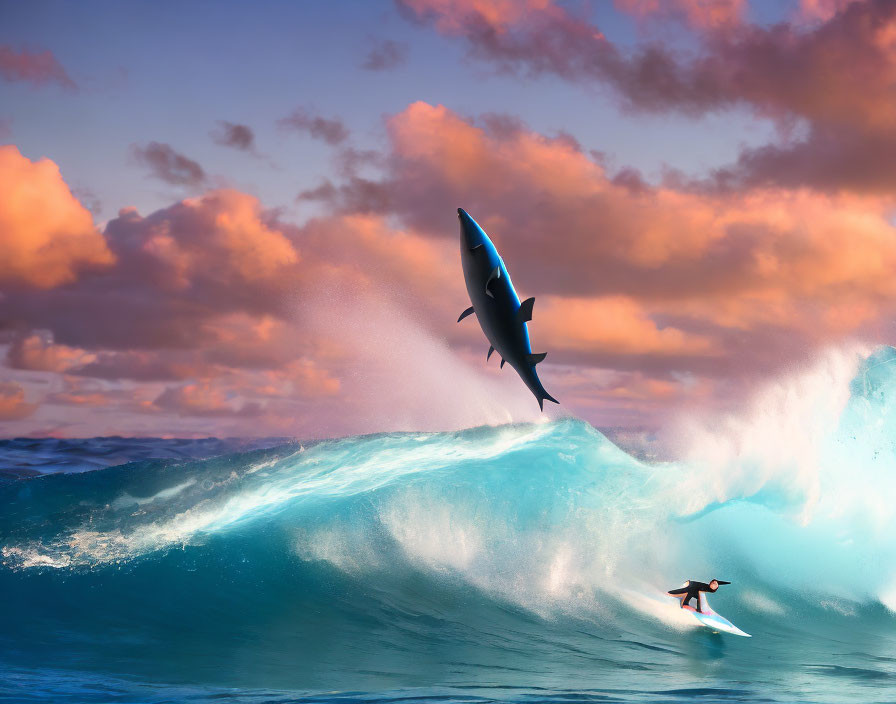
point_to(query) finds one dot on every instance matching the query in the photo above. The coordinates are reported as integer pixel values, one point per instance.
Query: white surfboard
(711, 619)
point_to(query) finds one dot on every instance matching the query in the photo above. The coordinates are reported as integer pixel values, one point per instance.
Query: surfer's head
(714, 584)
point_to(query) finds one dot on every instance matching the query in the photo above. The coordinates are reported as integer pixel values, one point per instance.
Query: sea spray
(519, 554)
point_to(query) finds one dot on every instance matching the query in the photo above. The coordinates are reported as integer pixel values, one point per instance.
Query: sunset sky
(239, 219)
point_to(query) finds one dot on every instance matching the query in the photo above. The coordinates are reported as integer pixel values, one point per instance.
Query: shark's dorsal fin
(494, 276)
(525, 311)
(534, 359)
(489, 355)
(468, 311)
(502, 362)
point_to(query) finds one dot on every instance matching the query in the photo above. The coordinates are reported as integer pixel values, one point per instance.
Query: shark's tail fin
(546, 397)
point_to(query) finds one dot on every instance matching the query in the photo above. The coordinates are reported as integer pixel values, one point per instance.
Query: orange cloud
(299, 379)
(12, 402)
(683, 274)
(231, 392)
(37, 352)
(240, 314)
(452, 16)
(380, 254)
(220, 235)
(563, 210)
(612, 324)
(47, 236)
(833, 65)
(703, 14)
(201, 399)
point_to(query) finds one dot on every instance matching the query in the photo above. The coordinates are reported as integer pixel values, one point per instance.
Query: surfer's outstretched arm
(677, 592)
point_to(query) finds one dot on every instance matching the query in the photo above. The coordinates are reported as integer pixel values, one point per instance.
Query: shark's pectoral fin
(525, 311)
(489, 355)
(468, 311)
(494, 276)
(534, 359)
(502, 362)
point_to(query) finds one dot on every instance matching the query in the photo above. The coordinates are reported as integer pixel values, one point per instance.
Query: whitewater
(519, 563)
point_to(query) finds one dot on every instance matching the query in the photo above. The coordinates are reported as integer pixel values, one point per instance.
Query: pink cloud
(779, 70)
(145, 365)
(238, 308)
(12, 402)
(829, 160)
(660, 277)
(837, 72)
(702, 14)
(452, 17)
(76, 394)
(215, 309)
(202, 399)
(37, 352)
(37, 68)
(821, 10)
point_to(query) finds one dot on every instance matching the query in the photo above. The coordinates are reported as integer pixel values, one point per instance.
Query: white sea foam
(553, 517)
(761, 602)
(333, 469)
(126, 500)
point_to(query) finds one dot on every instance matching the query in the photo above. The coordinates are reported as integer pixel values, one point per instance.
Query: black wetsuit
(692, 591)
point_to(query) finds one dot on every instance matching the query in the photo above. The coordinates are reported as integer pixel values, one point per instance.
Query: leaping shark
(497, 307)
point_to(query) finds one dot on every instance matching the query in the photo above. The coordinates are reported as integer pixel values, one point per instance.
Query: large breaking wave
(519, 556)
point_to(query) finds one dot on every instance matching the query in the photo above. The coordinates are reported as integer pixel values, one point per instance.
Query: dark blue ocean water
(28, 457)
(518, 563)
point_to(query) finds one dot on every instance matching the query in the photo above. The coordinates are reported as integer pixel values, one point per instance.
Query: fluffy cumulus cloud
(782, 69)
(633, 274)
(177, 272)
(220, 313)
(48, 238)
(219, 243)
(835, 75)
(646, 296)
(213, 311)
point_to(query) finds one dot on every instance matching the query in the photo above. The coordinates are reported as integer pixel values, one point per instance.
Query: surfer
(691, 590)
